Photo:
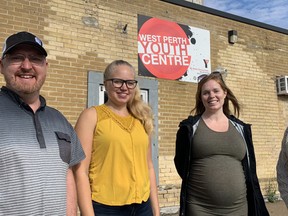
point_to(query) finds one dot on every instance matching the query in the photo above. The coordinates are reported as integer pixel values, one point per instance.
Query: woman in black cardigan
(215, 157)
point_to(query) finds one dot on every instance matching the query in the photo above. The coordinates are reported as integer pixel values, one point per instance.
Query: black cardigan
(184, 140)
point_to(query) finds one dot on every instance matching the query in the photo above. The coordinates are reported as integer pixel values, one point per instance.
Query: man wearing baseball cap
(38, 146)
(23, 38)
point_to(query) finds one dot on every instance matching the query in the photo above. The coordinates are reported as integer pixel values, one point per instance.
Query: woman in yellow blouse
(118, 173)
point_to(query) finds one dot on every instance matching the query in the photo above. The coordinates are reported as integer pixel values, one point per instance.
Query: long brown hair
(199, 106)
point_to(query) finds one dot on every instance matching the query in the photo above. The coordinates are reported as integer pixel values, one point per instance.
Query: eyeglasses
(118, 83)
(217, 73)
(18, 59)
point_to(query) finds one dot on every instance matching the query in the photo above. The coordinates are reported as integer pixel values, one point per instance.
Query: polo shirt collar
(16, 98)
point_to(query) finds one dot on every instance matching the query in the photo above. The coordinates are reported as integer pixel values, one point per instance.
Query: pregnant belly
(217, 180)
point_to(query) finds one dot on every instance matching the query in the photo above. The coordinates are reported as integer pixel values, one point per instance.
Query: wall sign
(172, 51)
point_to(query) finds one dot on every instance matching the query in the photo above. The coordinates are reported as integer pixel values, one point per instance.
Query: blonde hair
(136, 106)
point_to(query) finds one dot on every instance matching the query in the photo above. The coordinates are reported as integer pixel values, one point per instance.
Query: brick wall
(87, 35)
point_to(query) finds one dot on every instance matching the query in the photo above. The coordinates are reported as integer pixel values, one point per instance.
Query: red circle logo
(163, 48)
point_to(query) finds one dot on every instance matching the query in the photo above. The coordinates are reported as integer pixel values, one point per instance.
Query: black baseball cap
(22, 38)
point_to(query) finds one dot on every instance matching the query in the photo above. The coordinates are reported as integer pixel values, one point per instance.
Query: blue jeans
(135, 209)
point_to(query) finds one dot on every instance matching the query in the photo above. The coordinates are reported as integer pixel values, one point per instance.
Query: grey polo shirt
(282, 169)
(36, 151)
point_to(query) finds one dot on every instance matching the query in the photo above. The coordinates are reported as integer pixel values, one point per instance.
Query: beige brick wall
(87, 35)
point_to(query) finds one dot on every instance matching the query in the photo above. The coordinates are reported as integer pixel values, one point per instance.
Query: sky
(272, 12)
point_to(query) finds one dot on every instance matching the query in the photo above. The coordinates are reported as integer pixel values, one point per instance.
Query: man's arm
(71, 203)
(282, 169)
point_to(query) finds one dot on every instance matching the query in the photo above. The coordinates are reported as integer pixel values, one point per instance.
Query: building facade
(82, 37)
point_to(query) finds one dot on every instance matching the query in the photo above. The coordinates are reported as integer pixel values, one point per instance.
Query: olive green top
(217, 181)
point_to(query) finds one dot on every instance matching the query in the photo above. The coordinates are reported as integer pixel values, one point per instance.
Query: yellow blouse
(118, 170)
